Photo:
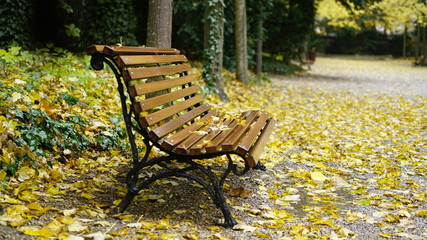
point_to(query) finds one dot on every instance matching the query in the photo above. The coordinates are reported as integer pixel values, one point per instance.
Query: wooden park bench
(161, 101)
(309, 59)
(421, 61)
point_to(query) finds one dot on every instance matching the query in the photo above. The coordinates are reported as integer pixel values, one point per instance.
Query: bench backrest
(161, 89)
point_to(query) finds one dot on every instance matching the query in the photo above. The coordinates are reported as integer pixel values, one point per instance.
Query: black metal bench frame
(134, 183)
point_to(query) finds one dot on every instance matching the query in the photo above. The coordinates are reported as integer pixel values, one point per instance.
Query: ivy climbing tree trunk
(213, 45)
(159, 25)
(241, 41)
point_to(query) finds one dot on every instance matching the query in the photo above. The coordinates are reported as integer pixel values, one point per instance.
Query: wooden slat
(239, 132)
(139, 73)
(174, 140)
(218, 140)
(178, 122)
(129, 50)
(256, 150)
(247, 141)
(153, 102)
(132, 60)
(145, 88)
(169, 111)
(94, 49)
(183, 147)
(214, 131)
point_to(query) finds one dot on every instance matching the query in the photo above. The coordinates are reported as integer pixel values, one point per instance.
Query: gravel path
(362, 77)
(392, 76)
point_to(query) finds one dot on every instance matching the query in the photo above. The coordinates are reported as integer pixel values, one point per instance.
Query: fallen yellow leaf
(36, 231)
(318, 177)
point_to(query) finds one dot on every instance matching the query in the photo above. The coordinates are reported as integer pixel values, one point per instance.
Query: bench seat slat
(132, 60)
(175, 139)
(215, 144)
(178, 122)
(164, 113)
(191, 140)
(198, 147)
(259, 145)
(196, 140)
(247, 141)
(153, 102)
(140, 73)
(239, 132)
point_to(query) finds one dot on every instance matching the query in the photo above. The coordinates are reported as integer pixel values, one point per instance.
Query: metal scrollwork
(97, 61)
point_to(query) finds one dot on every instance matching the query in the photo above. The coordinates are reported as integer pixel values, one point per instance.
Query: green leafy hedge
(52, 108)
(15, 23)
(68, 24)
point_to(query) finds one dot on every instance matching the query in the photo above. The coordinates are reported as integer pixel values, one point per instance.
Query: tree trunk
(241, 41)
(404, 42)
(418, 41)
(424, 41)
(159, 31)
(214, 45)
(159, 26)
(258, 69)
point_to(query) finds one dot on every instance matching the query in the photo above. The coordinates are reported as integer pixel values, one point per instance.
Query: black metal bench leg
(229, 221)
(221, 203)
(124, 203)
(260, 166)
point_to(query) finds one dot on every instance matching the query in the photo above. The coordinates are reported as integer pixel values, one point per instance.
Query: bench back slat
(178, 122)
(128, 50)
(134, 60)
(167, 112)
(156, 101)
(140, 73)
(144, 88)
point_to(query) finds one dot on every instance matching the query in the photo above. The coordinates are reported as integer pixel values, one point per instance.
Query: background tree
(159, 30)
(213, 45)
(188, 32)
(99, 23)
(15, 23)
(241, 41)
(369, 29)
(364, 26)
(289, 26)
(398, 16)
(259, 38)
(159, 24)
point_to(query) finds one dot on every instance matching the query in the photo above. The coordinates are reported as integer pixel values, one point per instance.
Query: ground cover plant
(341, 164)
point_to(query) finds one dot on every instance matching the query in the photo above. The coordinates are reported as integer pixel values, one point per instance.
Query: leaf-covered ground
(347, 160)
